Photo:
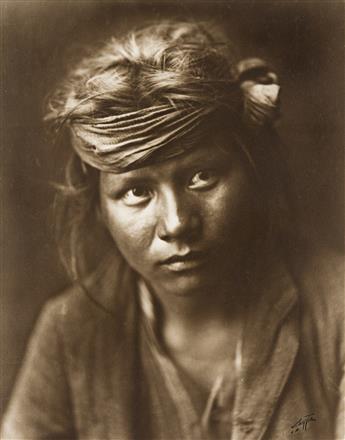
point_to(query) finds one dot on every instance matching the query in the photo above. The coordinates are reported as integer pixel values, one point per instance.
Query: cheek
(233, 205)
(132, 232)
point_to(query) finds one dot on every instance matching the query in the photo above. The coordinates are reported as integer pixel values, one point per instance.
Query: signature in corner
(302, 423)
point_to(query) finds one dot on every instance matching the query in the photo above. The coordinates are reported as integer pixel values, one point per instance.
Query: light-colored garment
(88, 375)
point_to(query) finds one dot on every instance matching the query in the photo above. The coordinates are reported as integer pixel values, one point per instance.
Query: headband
(121, 142)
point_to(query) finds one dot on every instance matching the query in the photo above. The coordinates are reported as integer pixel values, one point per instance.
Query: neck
(214, 306)
(200, 327)
(213, 309)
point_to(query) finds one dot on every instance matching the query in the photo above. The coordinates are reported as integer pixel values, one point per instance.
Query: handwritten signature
(302, 423)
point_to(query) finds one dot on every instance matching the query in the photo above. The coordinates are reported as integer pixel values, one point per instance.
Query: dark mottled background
(304, 40)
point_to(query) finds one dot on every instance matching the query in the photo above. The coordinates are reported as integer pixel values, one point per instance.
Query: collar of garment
(270, 337)
(214, 421)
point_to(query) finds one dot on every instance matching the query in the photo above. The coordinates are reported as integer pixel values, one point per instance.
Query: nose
(177, 217)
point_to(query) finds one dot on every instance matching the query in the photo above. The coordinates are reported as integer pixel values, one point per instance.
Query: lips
(189, 261)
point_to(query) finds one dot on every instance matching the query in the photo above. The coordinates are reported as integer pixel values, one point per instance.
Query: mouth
(180, 263)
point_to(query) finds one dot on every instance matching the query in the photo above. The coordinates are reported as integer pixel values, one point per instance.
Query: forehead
(217, 152)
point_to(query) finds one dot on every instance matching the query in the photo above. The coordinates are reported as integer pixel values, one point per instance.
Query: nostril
(177, 217)
(170, 227)
(179, 227)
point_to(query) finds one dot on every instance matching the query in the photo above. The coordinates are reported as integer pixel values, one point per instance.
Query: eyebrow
(119, 182)
(206, 158)
(186, 163)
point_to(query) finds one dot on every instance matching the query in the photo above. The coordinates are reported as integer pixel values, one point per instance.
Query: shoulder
(319, 273)
(319, 277)
(70, 307)
(103, 302)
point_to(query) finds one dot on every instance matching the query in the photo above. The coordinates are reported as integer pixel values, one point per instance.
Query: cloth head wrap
(121, 142)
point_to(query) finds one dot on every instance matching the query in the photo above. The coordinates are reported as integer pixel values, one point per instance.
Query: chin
(189, 284)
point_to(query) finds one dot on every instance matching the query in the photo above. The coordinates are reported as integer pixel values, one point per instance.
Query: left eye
(203, 179)
(136, 196)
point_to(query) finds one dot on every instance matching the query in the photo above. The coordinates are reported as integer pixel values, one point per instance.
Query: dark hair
(148, 66)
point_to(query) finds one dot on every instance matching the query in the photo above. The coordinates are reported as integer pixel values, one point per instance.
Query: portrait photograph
(172, 220)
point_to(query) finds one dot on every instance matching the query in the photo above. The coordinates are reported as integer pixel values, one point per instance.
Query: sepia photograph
(172, 220)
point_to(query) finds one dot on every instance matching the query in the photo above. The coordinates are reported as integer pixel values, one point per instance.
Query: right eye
(136, 196)
(204, 179)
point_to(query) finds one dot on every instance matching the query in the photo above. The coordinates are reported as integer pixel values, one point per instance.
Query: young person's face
(186, 223)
